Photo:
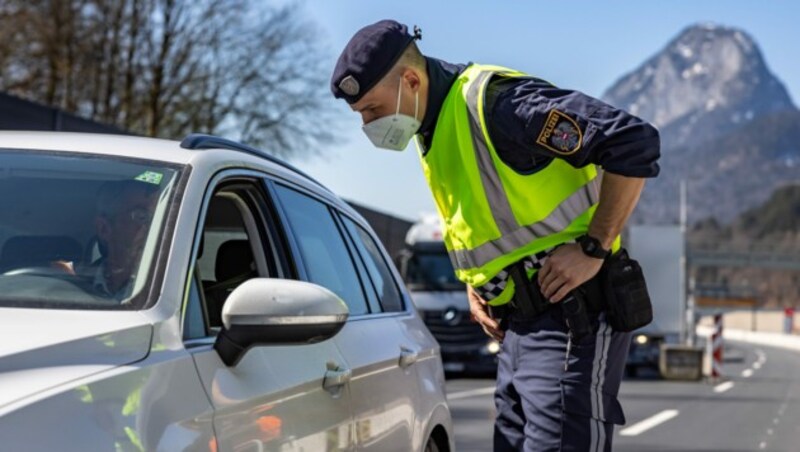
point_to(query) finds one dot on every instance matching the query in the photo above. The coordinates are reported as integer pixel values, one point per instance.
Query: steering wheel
(37, 271)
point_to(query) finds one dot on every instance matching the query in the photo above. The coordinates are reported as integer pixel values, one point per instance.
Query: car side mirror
(264, 311)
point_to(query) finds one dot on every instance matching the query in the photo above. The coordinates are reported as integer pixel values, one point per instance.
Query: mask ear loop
(416, 100)
(399, 91)
(416, 104)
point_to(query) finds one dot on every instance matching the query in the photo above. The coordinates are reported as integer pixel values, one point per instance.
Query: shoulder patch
(560, 134)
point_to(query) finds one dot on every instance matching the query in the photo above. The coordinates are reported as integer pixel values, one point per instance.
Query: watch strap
(592, 247)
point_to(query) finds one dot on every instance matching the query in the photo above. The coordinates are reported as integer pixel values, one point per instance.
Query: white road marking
(647, 424)
(770, 431)
(776, 421)
(757, 365)
(470, 393)
(762, 357)
(747, 373)
(763, 445)
(720, 388)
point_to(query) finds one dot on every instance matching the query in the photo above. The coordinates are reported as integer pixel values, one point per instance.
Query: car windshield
(431, 271)
(79, 231)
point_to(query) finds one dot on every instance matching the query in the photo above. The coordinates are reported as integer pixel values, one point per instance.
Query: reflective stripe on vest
(557, 221)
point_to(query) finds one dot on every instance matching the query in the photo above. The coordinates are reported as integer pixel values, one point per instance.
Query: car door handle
(407, 357)
(336, 377)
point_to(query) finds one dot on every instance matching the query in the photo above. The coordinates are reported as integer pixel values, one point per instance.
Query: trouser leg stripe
(598, 380)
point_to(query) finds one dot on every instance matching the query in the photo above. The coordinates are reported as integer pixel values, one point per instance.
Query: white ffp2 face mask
(393, 132)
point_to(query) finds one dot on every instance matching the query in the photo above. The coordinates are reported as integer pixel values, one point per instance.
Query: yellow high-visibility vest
(492, 216)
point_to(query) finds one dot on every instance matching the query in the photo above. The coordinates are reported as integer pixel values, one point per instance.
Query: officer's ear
(412, 78)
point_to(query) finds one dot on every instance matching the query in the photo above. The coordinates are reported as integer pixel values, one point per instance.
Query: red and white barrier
(716, 347)
(777, 340)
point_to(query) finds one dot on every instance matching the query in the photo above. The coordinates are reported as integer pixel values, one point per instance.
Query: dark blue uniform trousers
(549, 398)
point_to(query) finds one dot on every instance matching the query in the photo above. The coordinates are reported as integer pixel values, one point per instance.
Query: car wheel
(431, 446)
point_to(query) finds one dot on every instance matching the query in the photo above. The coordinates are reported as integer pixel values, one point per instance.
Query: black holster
(627, 302)
(528, 301)
(576, 314)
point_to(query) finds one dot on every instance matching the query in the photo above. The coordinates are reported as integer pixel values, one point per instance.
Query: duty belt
(497, 284)
(528, 301)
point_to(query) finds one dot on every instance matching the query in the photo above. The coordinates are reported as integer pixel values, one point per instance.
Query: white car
(201, 295)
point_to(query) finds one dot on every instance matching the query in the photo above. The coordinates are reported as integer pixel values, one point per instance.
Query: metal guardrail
(725, 291)
(774, 259)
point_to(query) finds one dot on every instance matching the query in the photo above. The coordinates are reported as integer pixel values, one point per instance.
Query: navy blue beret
(369, 55)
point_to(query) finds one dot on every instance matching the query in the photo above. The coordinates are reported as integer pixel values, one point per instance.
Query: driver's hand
(480, 313)
(65, 266)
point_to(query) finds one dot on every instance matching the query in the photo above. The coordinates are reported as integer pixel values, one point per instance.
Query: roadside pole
(717, 348)
(688, 323)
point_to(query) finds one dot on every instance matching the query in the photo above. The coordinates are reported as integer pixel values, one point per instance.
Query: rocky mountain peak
(728, 126)
(706, 72)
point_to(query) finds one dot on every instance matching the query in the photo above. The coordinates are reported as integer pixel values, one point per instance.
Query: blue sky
(584, 45)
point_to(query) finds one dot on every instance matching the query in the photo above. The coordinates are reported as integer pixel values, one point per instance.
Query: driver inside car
(124, 212)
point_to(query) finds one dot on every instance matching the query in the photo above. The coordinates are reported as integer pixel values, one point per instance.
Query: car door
(276, 397)
(390, 370)
(376, 349)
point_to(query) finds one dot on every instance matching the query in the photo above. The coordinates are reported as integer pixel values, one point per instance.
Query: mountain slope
(728, 125)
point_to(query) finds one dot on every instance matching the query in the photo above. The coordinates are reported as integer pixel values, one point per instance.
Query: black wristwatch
(592, 247)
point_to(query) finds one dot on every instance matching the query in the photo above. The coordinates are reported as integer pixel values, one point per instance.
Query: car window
(380, 275)
(80, 232)
(235, 246)
(369, 287)
(195, 320)
(325, 257)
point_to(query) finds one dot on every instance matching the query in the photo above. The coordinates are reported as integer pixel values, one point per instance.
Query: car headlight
(493, 347)
(641, 339)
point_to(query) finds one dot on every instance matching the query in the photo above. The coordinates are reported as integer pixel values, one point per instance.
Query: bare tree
(166, 68)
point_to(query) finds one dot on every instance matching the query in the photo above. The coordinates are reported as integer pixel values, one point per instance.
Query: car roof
(158, 149)
(96, 143)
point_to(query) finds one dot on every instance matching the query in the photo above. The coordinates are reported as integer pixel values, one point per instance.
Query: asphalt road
(756, 408)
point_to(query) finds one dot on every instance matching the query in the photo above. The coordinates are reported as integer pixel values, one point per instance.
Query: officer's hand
(565, 269)
(480, 313)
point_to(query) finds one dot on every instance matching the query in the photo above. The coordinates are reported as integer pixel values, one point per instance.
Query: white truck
(659, 250)
(441, 300)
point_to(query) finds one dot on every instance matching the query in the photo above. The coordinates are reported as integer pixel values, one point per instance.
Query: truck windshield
(79, 231)
(431, 271)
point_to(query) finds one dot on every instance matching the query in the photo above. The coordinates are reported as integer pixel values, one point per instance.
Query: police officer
(533, 184)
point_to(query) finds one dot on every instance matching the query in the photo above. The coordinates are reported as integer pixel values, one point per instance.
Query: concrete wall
(390, 229)
(20, 114)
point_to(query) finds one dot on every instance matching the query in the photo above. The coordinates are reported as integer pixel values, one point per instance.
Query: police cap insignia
(560, 134)
(349, 85)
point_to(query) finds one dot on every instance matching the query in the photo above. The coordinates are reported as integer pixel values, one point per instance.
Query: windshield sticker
(151, 177)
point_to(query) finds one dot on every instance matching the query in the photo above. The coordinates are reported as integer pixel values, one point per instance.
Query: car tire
(432, 445)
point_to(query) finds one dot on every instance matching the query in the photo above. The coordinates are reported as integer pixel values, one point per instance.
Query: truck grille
(459, 331)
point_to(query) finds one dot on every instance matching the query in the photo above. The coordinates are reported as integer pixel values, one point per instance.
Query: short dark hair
(411, 58)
